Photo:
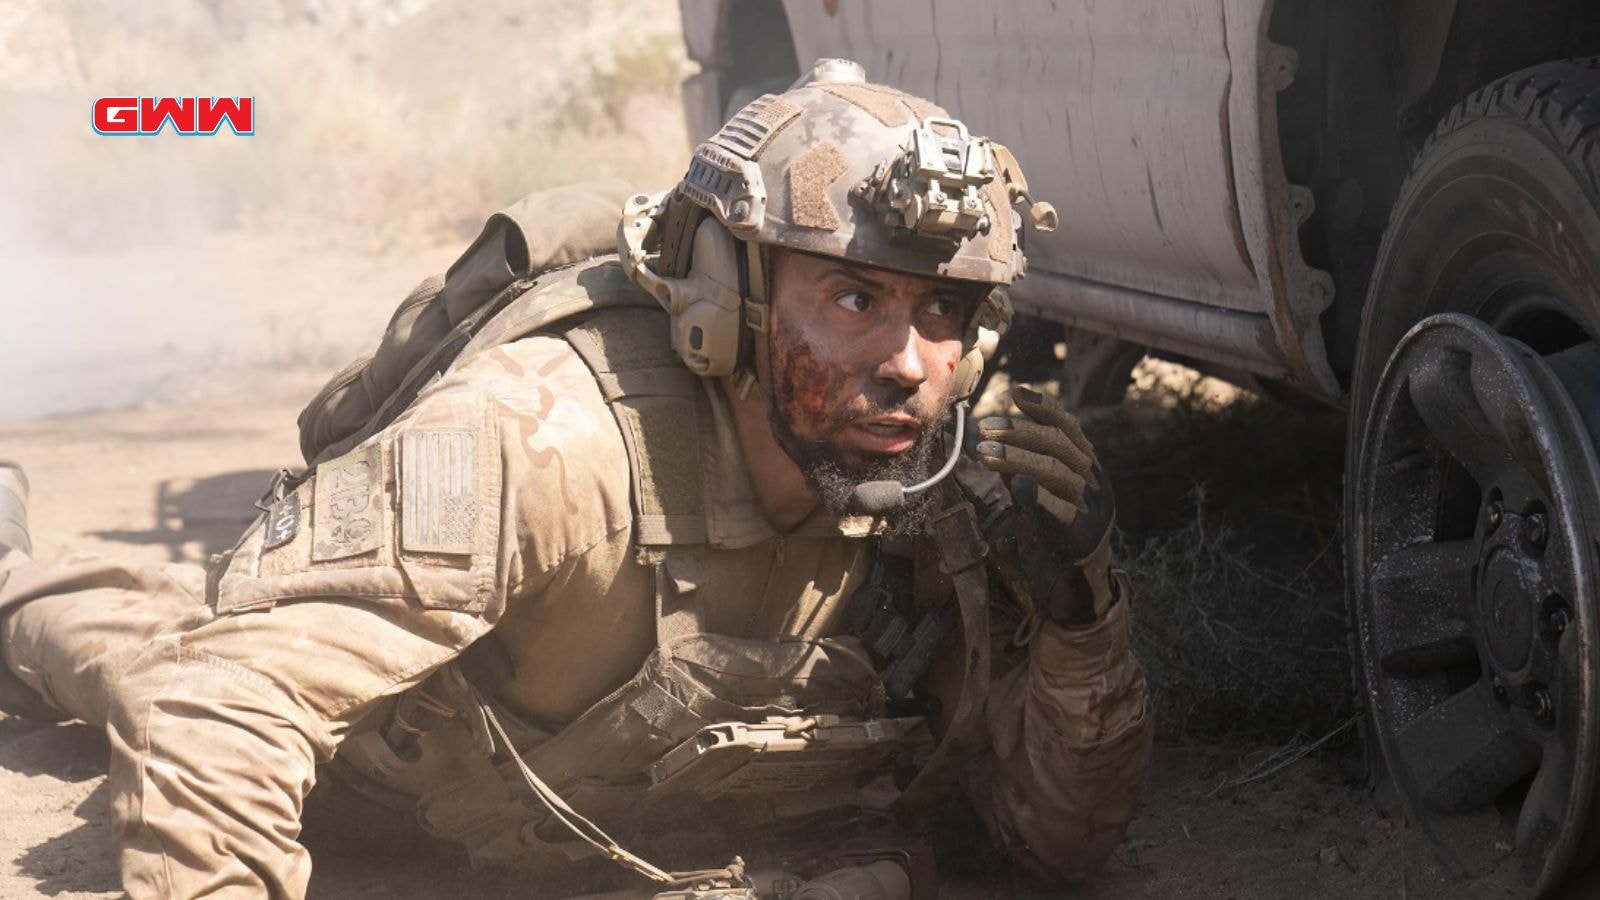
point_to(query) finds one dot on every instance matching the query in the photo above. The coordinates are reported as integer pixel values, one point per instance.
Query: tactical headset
(713, 286)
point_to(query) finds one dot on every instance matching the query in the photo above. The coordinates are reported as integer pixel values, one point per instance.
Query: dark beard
(835, 482)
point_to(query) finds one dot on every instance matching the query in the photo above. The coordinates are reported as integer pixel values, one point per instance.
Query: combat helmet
(838, 167)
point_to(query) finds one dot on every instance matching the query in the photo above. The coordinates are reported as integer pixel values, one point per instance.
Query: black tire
(1517, 157)
(1499, 219)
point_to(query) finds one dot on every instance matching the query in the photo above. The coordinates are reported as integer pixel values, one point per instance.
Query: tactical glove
(1058, 530)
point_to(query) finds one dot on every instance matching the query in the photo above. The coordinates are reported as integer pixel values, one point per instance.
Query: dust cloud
(137, 269)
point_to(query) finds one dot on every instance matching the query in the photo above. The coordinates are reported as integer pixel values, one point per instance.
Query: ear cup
(696, 278)
(968, 373)
(706, 305)
(970, 370)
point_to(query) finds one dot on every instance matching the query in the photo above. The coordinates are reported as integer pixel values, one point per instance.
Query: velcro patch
(752, 128)
(810, 177)
(283, 522)
(439, 491)
(347, 511)
(882, 103)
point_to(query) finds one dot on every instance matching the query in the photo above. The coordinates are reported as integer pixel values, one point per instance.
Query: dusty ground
(172, 477)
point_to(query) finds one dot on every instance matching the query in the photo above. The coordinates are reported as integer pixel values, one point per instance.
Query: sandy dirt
(172, 478)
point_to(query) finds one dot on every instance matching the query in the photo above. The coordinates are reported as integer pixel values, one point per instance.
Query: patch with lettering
(283, 522)
(438, 491)
(347, 510)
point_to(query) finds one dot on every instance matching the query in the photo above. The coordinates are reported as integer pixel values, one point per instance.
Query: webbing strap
(593, 834)
(962, 551)
(656, 401)
(678, 612)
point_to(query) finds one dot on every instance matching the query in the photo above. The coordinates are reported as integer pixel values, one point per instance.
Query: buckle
(283, 481)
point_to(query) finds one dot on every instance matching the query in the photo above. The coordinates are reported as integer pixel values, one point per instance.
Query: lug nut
(1499, 688)
(1538, 531)
(1559, 620)
(1545, 710)
(1493, 515)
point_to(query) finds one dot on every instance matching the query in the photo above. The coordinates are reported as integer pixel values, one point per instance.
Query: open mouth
(884, 437)
(888, 429)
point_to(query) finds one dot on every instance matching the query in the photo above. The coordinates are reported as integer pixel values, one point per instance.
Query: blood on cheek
(806, 388)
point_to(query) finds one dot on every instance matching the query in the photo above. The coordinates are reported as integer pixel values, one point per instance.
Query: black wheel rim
(1477, 483)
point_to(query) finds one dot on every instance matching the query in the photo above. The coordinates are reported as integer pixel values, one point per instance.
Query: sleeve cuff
(1080, 654)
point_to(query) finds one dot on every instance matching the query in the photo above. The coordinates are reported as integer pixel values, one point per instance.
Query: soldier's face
(863, 364)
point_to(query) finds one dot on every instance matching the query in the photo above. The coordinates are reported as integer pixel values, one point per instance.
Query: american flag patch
(438, 491)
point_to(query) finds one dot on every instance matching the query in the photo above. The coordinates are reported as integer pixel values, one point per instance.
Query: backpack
(519, 246)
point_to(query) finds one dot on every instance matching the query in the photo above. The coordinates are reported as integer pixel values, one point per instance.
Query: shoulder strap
(659, 404)
(962, 551)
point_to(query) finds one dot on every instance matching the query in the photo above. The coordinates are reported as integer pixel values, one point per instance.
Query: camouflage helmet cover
(840, 167)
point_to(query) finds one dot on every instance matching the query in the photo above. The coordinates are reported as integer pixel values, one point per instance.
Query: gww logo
(188, 115)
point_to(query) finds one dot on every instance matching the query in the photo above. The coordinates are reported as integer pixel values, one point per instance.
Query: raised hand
(1061, 522)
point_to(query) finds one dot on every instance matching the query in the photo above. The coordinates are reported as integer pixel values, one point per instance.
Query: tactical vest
(713, 728)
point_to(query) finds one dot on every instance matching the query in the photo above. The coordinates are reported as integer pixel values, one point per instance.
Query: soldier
(700, 559)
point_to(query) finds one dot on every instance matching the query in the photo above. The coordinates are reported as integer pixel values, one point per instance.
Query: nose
(905, 365)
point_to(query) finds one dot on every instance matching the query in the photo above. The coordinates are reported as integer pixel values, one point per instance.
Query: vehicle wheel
(1096, 372)
(1473, 499)
(1097, 368)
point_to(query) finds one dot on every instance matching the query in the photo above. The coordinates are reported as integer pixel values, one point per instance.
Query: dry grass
(1228, 516)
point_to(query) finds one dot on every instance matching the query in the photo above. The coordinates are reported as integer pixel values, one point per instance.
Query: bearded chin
(835, 479)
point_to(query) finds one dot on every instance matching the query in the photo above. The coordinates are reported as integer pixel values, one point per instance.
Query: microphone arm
(879, 498)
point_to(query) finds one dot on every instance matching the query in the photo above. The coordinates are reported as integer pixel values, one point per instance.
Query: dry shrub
(1229, 518)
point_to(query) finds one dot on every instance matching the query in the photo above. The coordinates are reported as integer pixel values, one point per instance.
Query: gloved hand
(1059, 527)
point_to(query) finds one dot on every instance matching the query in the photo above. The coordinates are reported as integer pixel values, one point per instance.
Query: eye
(854, 301)
(944, 306)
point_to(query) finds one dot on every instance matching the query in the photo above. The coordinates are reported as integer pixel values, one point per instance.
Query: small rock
(1330, 856)
(1503, 847)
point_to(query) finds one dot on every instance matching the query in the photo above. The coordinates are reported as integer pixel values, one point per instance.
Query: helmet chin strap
(757, 312)
(880, 498)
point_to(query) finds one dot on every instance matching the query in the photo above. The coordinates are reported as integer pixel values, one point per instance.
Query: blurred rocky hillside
(391, 116)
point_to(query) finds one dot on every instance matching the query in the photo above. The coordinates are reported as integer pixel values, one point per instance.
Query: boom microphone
(880, 498)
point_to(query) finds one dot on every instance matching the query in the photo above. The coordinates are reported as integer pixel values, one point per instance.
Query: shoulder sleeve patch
(347, 511)
(439, 491)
